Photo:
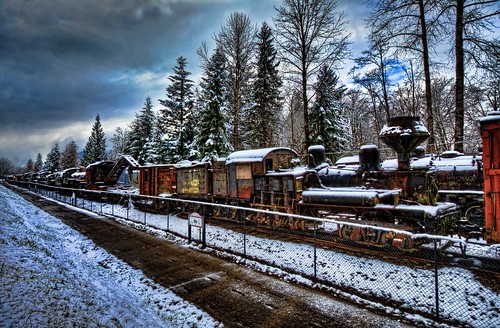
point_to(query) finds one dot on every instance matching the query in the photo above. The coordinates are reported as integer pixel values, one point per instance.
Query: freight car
(490, 133)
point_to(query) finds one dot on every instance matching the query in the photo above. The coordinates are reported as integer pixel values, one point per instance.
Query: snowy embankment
(50, 275)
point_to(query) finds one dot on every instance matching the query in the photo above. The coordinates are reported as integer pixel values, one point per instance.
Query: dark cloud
(63, 61)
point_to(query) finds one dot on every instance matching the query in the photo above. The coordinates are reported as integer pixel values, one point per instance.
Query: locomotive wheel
(398, 240)
(475, 215)
(352, 233)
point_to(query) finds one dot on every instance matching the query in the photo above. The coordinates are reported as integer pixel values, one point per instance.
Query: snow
(492, 117)
(361, 280)
(254, 155)
(417, 127)
(54, 276)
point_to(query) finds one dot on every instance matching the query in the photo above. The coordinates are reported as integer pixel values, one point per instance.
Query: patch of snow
(53, 276)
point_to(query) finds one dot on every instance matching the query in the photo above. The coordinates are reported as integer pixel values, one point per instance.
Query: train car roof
(461, 161)
(255, 155)
(492, 117)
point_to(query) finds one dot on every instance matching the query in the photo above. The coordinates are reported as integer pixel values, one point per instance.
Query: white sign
(196, 220)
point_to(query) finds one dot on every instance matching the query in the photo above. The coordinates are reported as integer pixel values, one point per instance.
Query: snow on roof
(348, 160)
(493, 116)
(462, 161)
(254, 155)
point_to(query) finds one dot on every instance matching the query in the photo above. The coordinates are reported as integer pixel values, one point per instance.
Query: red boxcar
(157, 179)
(490, 132)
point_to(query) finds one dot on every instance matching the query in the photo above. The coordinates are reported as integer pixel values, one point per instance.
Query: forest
(279, 84)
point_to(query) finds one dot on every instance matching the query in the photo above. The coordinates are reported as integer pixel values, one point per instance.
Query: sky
(64, 61)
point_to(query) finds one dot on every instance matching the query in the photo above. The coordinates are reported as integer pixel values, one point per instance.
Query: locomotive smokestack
(403, 134)
(316, 156)
(369, 158)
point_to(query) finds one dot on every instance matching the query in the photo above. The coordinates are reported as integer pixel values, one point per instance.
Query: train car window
(269, 164)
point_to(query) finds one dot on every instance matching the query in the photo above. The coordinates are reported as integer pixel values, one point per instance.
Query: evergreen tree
(38, 163)
(236, 41)
(212, 139)
(69, 157)
(30, 166)
(262, 118)
(178, 110)
(156, 150)
(327, 122)
(141, 130)
(95, 149)
(52, 161)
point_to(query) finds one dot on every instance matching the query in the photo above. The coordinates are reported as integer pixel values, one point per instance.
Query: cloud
(61, 61)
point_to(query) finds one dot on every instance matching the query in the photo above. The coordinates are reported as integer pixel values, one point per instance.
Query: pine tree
(262, 118)
(95, 149)
(69, 157)
(38, 163)
(212, 139)
(52, 161)
(178, 110)
(236, 40)
(141, 131)
(30, 166)
(156, 150)
(327, 123)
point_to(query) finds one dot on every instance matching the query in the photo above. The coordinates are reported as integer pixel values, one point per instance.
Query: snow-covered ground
(463, 298)
(51, 275)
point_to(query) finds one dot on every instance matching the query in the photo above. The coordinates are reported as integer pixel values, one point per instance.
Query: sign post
(198, 221)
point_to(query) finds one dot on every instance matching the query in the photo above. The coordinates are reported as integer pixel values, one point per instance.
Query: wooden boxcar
(157, 180)
(246, 166)
(194, 181)
(490, 133)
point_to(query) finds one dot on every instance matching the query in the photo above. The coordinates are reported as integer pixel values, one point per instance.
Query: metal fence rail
(448, 280)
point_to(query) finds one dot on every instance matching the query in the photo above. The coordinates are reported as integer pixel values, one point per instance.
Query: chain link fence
(447, 280)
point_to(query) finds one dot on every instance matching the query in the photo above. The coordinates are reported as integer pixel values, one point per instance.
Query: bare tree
(476, 40)
(236, 39)
(362, 119)
(403, 24)
(376, 56)
(6, 167)
(310, 34)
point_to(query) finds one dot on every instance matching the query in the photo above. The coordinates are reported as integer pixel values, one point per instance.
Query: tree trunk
(305, 102)
(431, 144)
(459, 79)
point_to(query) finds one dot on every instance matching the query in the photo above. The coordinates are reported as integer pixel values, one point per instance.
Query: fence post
(244, 234)
(436, 282)
(168, 215)
(315, 253)
(204, 227)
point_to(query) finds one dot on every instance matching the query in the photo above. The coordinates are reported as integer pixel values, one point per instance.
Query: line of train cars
(418, 194)
(414, 192)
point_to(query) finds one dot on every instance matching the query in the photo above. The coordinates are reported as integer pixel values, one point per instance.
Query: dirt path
(231, 293)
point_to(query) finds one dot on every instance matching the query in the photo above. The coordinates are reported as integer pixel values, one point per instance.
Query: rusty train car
(273, 179)
(490, 133)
